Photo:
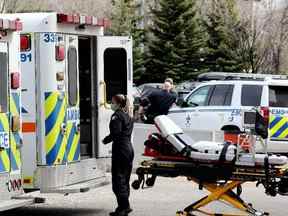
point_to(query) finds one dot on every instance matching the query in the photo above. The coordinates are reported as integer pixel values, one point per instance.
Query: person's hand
(106, 140)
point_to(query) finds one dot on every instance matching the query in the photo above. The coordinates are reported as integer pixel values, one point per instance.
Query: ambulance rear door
(4, 110)
(115, 76)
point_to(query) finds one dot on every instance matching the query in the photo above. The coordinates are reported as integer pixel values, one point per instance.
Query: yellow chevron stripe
(283, 134)
(6, 160)
(62, 151)
(69, 128)
(13, 107)
(4, 154)
(278, 126)
(73, 147)
(50, 104)
(51, 138)
(15, 151)
(271, 118)
(5, 122)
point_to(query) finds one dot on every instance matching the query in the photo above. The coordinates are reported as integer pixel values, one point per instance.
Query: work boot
(121, 212)
(283, 187)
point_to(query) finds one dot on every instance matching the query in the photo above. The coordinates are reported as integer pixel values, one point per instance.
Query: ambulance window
(278, 96)
(3, 82)
(251, 95)
(115, 71)
(72, 76)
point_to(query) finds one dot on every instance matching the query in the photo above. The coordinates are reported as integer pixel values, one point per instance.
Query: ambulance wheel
(150, 181)
(136, 184)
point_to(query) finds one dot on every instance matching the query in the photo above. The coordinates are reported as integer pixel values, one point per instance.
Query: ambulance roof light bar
(12, 25)
(82, 20)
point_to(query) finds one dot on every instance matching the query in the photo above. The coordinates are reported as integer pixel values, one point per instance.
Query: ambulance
(11, 186)
(70, 73)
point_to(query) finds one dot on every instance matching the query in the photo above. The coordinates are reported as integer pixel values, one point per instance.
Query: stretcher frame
(219, 183)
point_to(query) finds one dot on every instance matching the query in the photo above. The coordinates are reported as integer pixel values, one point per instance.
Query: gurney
(217, 167)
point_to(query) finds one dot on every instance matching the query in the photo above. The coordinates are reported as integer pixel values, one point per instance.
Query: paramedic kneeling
(121, 127)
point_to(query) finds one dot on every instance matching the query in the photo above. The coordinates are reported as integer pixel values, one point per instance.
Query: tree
(175, 41)
(221, 22)
(126, 21)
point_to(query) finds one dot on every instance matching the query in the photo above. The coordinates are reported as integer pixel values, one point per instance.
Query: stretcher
(219, 168)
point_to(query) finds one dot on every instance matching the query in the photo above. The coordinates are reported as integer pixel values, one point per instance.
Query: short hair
(170, 80)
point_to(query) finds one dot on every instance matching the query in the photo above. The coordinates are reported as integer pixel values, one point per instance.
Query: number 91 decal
(26, 57)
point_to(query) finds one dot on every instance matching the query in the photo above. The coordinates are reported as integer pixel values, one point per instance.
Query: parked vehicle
(70, 73)
(216, 105)
(11, 186)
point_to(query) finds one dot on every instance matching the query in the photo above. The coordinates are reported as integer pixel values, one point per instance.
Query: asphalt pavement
(164, 199)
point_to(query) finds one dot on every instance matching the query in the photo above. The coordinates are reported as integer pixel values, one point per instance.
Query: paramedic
(121, 126)
(158, 102)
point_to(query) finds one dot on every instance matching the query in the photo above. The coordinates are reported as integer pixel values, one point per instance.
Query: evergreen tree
(175, 41)
(221, 22)
(125, 21)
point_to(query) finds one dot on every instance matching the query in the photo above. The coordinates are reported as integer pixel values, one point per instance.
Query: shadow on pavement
(48, 211)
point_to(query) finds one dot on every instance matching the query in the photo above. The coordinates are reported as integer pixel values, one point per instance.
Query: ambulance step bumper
(79, 187)
(16, 203)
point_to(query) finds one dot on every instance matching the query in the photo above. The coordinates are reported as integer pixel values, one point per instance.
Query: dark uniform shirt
(121, 127)
(160, 102)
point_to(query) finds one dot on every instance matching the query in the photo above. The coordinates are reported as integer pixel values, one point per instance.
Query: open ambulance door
(114, 71)
(4, 111)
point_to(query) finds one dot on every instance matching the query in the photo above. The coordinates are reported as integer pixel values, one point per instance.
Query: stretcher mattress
(206, 150)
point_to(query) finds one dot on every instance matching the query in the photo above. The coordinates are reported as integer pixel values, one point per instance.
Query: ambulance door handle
(104, 101)
(63, 128)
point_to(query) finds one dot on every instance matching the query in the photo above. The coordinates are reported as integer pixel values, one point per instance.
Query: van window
(221, 95)
(3, 82)
(72, 76)
(278, 96)
(251, 95)
(199, 97)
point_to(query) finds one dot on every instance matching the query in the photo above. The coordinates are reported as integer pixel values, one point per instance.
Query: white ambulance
(70, 73)
(11, 186)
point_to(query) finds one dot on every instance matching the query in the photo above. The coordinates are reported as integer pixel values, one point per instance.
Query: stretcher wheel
(150, 181)
(136, 184)
(182, 213)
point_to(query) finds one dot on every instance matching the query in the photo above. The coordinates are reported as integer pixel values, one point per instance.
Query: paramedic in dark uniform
(158, 102)
(121, 127)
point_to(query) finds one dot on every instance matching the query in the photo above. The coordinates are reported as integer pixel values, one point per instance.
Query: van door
(4, 110)
(114, 70)
(188, 117)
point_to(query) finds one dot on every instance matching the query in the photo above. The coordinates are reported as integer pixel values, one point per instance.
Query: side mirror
(180, 102)
(184, 104)
(261, 126)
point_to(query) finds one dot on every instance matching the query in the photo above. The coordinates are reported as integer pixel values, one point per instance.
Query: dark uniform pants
(121, 172)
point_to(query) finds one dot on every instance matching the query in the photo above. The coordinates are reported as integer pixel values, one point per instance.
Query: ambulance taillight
(15, 80)
(59, 52)
(25, 43)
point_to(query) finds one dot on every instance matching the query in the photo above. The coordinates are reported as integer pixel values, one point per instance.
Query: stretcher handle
(104, 102)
